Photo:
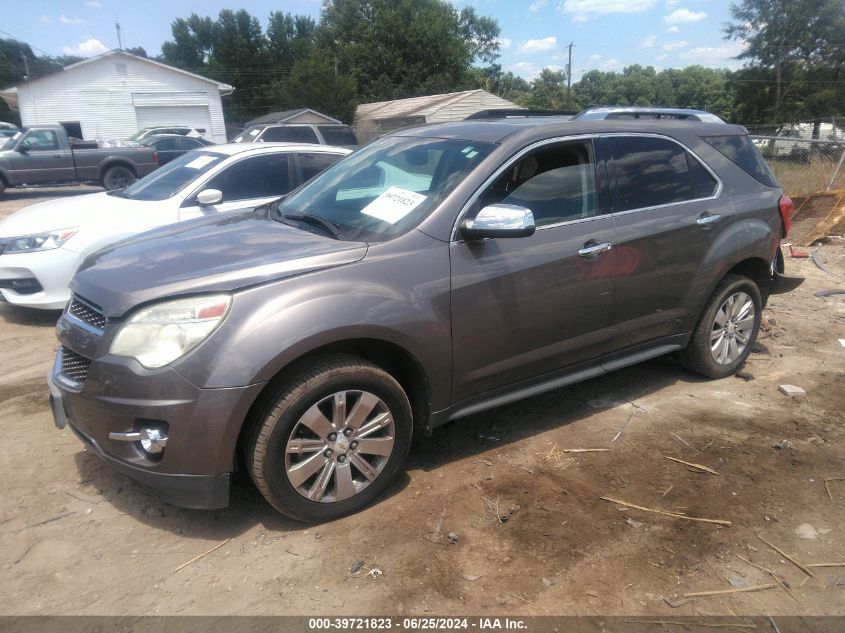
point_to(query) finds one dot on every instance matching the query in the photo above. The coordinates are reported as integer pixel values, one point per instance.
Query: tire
(118, 177)
(298, 454)
(2, 186)
(715, 351)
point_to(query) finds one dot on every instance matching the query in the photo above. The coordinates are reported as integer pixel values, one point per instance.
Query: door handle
(57, 155)
(594, 248)
(708, 218)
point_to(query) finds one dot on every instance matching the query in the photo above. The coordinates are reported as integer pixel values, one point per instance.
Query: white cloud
(660, 58)
(504, 43)
(88, 48)
(611, 64)
(526, 70)
(554, 68)
(580, 9)
(673, 29)
(671, 46)
(94, 4)
(721, 56)
(66, 20)
(684, 16)
(648, 41)
(537, 5)
(595, 57)
(671, 3)
(45, 19)
(538, 46)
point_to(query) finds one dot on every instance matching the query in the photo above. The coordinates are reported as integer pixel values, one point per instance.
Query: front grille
(86, 313)
(74, 366)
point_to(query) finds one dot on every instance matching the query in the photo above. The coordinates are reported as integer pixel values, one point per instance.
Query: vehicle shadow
(466, 437)
(18, 315)
(37, 194)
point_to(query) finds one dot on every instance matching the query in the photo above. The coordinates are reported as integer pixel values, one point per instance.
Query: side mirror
(499, 220)
(21, 148)
(209, 197)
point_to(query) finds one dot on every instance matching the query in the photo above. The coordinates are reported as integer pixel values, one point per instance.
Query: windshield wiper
(315, 220)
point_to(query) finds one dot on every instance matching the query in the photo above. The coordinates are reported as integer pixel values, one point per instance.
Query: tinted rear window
(292, 134)
(649, 172)
(741, 151)
(338, 135)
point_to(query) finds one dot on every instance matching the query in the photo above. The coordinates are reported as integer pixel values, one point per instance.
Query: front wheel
(727, 329)
(331, 440)
(118, 177)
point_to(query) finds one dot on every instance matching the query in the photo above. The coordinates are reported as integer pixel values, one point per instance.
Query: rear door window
(650, 172)
(312, 163)
(338, 135)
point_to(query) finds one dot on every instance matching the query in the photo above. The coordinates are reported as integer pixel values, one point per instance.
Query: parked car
(147, 132)
(170, 146)
(42, 245)
(326, 134)
(435, 273)
(43, 154)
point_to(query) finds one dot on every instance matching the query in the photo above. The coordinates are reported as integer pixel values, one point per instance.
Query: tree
(404, 48)
(314, 84)
(796, 41)
(548, 90)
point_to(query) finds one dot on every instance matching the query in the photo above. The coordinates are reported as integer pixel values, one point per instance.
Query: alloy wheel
(732, 328)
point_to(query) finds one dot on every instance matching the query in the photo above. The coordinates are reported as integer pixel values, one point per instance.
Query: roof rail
(517, 113)
(678, 114)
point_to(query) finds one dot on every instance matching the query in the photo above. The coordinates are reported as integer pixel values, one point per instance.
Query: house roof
(415, 106)
(285, 115)
(10, 95)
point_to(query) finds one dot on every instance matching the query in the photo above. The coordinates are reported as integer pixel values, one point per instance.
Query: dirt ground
(533, 534)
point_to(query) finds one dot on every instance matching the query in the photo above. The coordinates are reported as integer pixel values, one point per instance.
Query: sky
(607, 34)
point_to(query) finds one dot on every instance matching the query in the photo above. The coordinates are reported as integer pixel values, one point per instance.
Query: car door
(245, 184)
(42, 159)
(667, 210)
(524, 307)
(167, 149)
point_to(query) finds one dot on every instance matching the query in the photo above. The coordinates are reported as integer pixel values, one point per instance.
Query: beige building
(376, 119)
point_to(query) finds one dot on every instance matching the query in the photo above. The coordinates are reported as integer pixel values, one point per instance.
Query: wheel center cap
(341, 445)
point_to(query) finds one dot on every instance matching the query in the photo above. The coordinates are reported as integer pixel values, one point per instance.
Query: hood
(216, 254)
(65, 213)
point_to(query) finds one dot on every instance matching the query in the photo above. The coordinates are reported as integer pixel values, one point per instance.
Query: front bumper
(118, 396)
(52, 270)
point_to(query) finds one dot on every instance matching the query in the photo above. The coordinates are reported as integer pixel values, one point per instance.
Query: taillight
(785, 206)
(155, 157)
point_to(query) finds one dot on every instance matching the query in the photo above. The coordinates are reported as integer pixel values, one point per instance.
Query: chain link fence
(805, 157)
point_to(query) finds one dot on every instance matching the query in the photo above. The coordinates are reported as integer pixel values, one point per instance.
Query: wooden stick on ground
(667, 491)
(839, 564)
(772, 574)
(827, 487)
(670, 514)
(196, 558)
(584, 450)
(719, 592)
(787, 557)
(698, 466)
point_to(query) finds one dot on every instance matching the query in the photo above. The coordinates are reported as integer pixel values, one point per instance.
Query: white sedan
(42, 246)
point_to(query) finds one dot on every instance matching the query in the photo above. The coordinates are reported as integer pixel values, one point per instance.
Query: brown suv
(435, 273)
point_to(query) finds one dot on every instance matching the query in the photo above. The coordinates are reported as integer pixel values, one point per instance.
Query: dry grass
(799, 179)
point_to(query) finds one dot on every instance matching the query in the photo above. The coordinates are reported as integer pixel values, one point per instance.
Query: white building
(115, 94)
(375, 119)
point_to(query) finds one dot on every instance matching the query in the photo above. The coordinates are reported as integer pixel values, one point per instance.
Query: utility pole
(569, 79)
(119, 43)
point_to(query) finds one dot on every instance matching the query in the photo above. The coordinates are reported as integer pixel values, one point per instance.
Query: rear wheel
(118, 177)
(727, 329)
(331, 440)
(2, 186)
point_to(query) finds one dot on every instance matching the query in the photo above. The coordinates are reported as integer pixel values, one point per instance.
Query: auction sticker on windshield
(200, 161)
(394, 204)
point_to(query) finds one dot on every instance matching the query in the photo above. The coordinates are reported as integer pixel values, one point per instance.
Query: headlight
(161, 333)
(38, 241)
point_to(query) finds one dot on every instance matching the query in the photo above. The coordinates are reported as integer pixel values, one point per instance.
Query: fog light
(152, 439)
(154, 442)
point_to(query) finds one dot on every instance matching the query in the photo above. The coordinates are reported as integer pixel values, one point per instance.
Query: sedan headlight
(37, 241)
(161, 333)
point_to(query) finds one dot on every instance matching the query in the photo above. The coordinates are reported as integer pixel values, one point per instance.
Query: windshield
(10, 142)
(388, 187)
(166, 181)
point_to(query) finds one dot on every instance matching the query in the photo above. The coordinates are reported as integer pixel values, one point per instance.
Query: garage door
(194, 116)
